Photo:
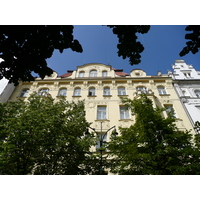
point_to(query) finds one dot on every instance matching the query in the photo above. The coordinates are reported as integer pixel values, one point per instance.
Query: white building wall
(6, 89)
(186, 81)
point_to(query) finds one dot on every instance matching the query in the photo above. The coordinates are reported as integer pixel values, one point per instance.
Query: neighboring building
(6, 90)
(187, 85)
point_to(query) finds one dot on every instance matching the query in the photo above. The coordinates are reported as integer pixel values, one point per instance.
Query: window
(81, 74)
(170, 109)
(101, 112)
(104, 73)
(43, 92)
(77, 92)
(161, 90)
(62, 92)
(24, 93)
(197, 93)
(121, 91)
(106, 91)
(124, 112)
(93, 73)
(142, 89)
(188, 75)
(91, 91)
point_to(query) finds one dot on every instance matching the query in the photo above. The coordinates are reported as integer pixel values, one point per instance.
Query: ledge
(99, 120)
(164, 94)
(107, 95)
(76, 96)
(126, 120)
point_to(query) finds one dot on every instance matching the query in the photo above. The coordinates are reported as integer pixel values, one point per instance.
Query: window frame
(77, 92)
(104, 73)
(43, 92)
(124, 112)
(120, 91)
(92, 91)
(93, 73)
(101, 114)
(108, 90)
(142, 89)
(197, 94)
(59, 92)
(83, 74)
(24, 92)
(161, 90)
(169, 110)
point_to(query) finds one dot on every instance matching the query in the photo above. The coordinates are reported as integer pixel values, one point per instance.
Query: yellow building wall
(136, 78)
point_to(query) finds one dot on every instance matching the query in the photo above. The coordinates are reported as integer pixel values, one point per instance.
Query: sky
(162, 46)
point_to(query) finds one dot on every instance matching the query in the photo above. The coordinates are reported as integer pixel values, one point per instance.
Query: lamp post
(101, 138)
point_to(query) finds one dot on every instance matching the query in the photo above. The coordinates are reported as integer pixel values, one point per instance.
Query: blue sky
(162, 46)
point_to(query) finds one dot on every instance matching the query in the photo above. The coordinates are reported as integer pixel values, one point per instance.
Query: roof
(69, 73)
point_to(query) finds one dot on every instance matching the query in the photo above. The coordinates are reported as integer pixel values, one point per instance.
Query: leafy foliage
(193, 44)
(25, 49)
(44, 136)
(128, 45)
(152, 145)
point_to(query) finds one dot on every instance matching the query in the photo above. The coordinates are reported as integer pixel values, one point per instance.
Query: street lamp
(101, 138)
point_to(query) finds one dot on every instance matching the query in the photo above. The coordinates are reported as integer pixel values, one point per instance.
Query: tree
(44, 136)
(24, 49)
(153, 144)
(193, 44)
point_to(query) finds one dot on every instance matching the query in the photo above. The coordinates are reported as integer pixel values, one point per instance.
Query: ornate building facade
(187, 85)
(101, 86)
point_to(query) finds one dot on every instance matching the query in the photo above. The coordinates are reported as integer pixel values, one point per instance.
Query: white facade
(187, 85)
(6, 90)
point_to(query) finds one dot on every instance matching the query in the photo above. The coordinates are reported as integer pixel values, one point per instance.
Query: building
(187, 85)
(6, 90)
(101, 86)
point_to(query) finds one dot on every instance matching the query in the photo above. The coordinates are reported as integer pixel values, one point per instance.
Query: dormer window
(104, 73)
(81, 74)
(93, 73)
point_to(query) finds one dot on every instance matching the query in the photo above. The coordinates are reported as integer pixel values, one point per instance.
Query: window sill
(122, 95)
(21, 97)
(60, 96)
(107, 95)
(91, 95)
(99, 120)
(125, 120)
(76, 96)
(164, 94)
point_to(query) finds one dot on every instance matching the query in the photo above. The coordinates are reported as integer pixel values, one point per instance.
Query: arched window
(142, 89)
(81, 74)
(106, 91)
(121, 91)
(62, 92)
(197, 93)
(77, 92)
(91, 91)
(104, 73)
(24, 93)
(161, 90)
(43, 92)
(93, 73)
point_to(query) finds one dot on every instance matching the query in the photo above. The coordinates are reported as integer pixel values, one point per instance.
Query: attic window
(137, 73)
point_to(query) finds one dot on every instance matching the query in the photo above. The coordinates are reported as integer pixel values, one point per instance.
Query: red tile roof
(69, 73)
